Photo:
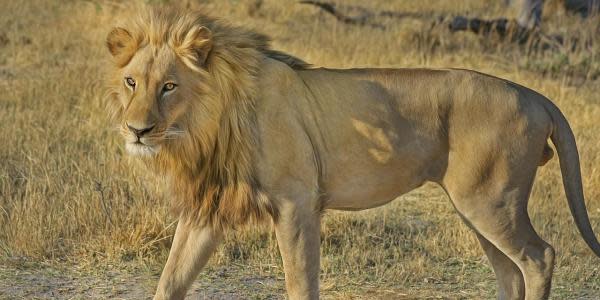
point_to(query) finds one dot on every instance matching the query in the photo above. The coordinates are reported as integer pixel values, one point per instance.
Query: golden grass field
(79, 219)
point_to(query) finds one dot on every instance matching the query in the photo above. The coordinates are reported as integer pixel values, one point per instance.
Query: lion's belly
(364, 197)
(366, 183)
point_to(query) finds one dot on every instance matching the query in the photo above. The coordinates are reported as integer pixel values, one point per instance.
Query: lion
(246, 134)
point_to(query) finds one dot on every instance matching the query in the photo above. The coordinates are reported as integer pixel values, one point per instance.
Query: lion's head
(161, 83)
(182, 92)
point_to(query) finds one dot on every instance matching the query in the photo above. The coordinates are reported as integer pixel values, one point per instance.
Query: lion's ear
(121, 45)
(196, 46)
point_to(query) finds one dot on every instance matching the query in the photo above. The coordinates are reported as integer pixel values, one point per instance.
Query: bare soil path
(31, 280)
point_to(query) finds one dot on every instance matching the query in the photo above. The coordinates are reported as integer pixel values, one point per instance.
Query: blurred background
(79, 219)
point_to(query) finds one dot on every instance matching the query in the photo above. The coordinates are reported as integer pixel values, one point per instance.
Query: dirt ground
(23, 279)
(38, 281)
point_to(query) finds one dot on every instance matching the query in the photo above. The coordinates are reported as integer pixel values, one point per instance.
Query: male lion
(245, 133)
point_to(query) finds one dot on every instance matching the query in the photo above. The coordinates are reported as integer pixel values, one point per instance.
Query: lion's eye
(130, 82)
(169, 86)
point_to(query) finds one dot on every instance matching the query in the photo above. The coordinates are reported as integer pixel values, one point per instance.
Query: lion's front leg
(298, 236)
(191, 249)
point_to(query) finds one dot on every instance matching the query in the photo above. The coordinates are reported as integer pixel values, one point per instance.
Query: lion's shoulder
(277, 76)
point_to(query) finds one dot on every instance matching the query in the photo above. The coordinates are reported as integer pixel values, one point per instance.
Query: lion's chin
(139, 149)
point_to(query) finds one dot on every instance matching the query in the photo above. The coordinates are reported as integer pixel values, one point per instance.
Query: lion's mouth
(150, 144)
(138, 148)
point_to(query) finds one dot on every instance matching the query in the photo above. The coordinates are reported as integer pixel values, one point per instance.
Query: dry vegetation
(70, 200)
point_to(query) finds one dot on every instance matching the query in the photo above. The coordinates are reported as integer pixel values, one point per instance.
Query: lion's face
(156, 88)
(152, 100)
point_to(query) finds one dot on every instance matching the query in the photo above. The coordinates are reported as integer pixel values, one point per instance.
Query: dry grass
(68, 192)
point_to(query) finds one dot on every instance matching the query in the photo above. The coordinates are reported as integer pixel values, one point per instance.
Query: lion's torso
(362, 137)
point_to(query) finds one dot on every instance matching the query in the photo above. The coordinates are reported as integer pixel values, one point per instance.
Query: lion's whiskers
(163, 135)
(174, 131)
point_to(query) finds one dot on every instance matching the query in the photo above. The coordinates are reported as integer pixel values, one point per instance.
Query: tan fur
(251, 133)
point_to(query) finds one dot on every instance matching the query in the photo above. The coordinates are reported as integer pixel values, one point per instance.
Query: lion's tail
(564, 141)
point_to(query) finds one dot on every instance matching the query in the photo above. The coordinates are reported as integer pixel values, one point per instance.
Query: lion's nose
(139, 132)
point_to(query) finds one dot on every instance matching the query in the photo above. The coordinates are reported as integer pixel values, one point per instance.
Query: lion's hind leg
(495, 206)
(504, 224)
(489, 183)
